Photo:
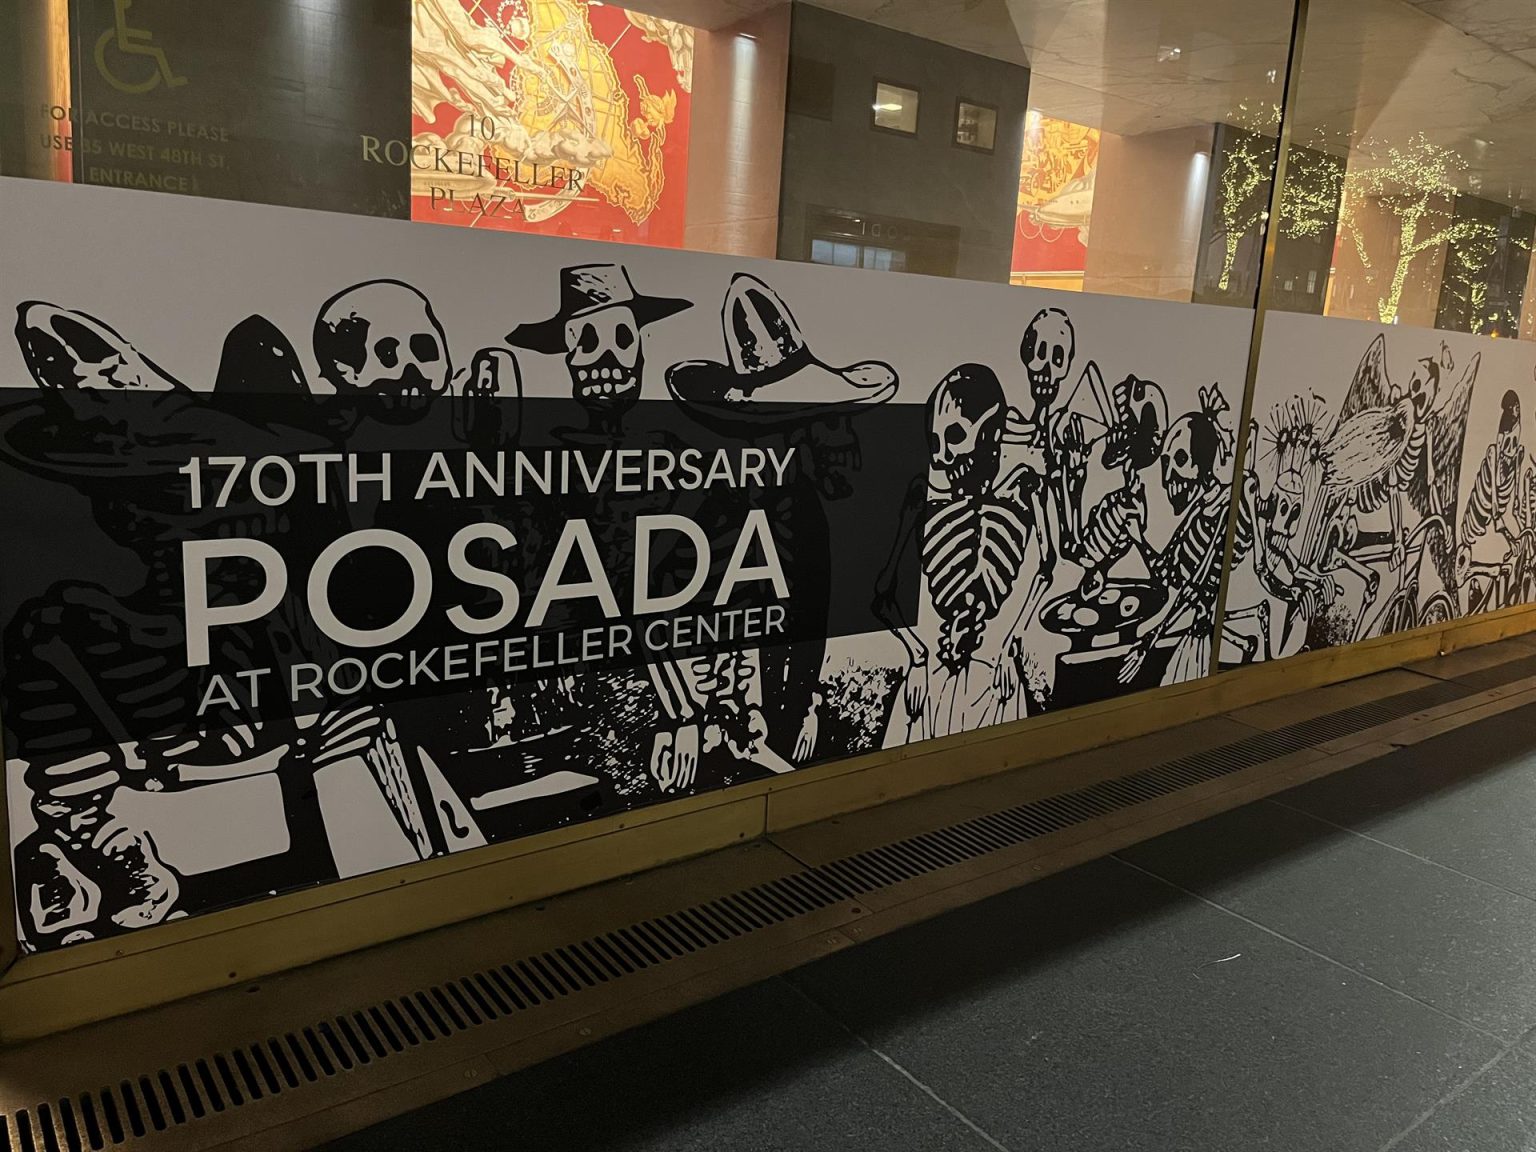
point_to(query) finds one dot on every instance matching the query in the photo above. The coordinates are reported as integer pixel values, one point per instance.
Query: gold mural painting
(1056, 177)
(535, 86)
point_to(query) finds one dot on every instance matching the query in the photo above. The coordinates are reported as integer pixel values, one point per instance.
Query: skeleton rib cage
(973, 551)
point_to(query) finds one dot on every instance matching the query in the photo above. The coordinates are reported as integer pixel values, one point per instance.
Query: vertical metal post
(1261, 310)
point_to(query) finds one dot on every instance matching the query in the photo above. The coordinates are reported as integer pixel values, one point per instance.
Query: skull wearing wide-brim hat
(772, 378)
(585, 291)
(598, 329)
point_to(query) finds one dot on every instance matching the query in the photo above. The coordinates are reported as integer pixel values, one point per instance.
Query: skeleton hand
(1399, 555)
(805, 745)
(1005, 679)
(1134, 659)
(144, 887)
(675, 758)
(915, 696)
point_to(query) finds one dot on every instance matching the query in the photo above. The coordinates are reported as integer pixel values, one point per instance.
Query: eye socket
(1290, 520)
(623, 337)
(425, 348)
(954, 434)
(1058, 354)
(587, 342)
(1181, 457)
(388, 351)
(933, 444)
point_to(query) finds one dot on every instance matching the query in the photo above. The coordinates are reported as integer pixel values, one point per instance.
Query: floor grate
(136, 1108)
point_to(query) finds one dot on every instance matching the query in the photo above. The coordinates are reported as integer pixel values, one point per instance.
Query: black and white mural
(1388, 485)
(342, 543)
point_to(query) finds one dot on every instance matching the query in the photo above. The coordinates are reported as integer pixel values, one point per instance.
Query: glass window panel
(896, 108)
(1087, 145)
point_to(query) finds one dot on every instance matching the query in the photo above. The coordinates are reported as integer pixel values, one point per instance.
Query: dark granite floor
(1351, 965)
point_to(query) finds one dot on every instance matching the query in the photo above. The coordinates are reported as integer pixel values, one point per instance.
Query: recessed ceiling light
(1167, 52)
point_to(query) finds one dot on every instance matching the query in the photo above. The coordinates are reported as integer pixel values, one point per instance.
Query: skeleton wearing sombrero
(102, 678)
(599, 330)
(771, 385)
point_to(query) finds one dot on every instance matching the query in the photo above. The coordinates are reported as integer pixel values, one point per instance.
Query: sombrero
(766, 351)
(588, 289)
(62, 430)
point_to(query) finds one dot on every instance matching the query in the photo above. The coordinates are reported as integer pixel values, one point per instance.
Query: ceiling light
(1169, 52)
(887, 107)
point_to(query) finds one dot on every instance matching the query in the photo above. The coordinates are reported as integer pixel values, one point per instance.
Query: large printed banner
(1388, 488)
(338, 543)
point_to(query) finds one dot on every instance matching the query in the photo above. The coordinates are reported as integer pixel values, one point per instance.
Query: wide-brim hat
(56, 431)
(588, 289)
(772, 378)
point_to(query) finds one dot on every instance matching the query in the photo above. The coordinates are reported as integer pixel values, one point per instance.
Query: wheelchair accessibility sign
(128, 59)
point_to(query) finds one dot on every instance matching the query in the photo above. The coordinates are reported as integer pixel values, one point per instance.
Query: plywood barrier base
(94, 981)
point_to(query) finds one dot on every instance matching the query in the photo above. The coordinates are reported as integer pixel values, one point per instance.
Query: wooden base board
(94, 981)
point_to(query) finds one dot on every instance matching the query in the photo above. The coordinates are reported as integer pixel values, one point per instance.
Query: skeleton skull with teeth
(604, 358)
(382, 339)
(965, 427)
(598, 330)
(1047, 349)
(1285, 517)
(1141, 417)
(1190, 453)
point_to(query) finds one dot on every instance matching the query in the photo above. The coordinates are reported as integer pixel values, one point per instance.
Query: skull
(1141, 418)
(1510, 448)
(965, 428)
(1285, 511)
(382, 339)
(1047, 350)
(832, 448)
(604, 358)
(1424, 386)
(1182, 470)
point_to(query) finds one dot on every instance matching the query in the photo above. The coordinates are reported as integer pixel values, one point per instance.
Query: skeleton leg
(1253, 645)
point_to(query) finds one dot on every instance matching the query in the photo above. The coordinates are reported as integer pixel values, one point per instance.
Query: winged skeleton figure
(1389, 447)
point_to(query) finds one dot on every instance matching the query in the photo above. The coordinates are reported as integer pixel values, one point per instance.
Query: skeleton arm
(884, 605)
(1182, 602)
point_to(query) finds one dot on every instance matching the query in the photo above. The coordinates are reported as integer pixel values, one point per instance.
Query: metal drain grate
(167, 1098)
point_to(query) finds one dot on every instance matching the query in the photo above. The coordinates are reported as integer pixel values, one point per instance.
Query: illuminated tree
(1416, 185)
(1314, 187)
(1247, 167)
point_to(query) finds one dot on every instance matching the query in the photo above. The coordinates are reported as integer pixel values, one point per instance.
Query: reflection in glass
(1415, 182)
(975, 126)
(896, 108)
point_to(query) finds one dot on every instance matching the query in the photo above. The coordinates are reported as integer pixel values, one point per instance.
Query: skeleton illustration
(974, 542)
(84, 872)
(598, 328)
(1196, 446)
(760, 703)
(1494, 543)
(1390, 447)
(1119, 521)
(1047, 350)
(1274, 522)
